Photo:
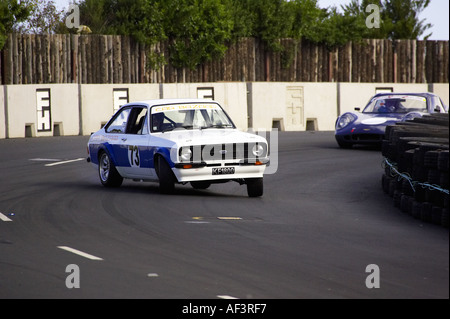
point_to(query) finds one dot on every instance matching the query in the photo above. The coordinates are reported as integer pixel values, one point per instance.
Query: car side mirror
(437, 109)
(357, 109)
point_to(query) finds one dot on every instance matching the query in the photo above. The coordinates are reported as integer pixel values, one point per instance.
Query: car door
(127, 143)
(116, 139)
(136, 141)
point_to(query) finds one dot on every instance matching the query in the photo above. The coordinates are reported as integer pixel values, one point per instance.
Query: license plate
(223, 170)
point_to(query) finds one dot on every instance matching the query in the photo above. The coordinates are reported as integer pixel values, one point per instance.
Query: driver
(157, 121)
(381, 107)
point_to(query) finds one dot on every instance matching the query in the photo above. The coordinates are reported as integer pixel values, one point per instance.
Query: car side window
(137, 121)
(438, 107)
(119, 123)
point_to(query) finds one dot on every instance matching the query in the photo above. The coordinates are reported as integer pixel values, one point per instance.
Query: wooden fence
(37, 59)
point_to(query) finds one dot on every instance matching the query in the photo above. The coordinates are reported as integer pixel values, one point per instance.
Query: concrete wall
(2, 113)
(294, 106)
(41, 110)
(72, 109)
(441, 89)
(100, 101)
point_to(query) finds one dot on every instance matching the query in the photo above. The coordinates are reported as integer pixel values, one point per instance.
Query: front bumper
(186, 172)
(361, 134)
(361, 138)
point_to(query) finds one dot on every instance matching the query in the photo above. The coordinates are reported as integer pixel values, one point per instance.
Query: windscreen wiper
(215, 126)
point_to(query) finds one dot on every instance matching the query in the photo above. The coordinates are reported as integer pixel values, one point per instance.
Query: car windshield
(397, 104)
(188, 117)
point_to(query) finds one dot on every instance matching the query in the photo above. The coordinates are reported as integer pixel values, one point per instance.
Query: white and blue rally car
(174, 141)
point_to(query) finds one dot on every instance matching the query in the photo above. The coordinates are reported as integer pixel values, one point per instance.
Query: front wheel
(255, 187)
(345, 145)
(166, 177)
(109, 176)
(200, 185)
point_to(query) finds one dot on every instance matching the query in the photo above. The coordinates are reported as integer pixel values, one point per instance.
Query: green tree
(44, 18)
(140, 19)
(402, 19)
(200, 30)
(197, 30)
(399, 19)
(97, 15)
(309, 20)
(268, 20)
(11, 13)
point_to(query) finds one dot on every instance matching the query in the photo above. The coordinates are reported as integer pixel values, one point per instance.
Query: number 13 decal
(133, 156)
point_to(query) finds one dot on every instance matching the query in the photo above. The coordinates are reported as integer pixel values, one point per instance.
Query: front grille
(231, 151)
(367, 137)
(364, 137)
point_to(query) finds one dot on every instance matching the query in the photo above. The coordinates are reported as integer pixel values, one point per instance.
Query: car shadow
(145, 188)
(374, 147)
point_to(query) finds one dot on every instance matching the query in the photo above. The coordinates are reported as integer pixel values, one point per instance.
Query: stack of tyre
(416, 158)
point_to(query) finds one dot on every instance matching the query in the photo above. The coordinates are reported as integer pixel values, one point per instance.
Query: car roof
(154, 102)
(424, 94)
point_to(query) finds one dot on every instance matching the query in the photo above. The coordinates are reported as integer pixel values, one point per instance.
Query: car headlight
(345, 120)
(185, 153)
(258, 150)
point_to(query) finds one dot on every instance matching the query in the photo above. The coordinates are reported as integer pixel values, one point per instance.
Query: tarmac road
(322, 220)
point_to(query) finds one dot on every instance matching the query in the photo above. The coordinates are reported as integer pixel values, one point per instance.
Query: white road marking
(45, 159)
(195, 222)
(200, 220)
(64, 162)
(229, 218)
(80, 253)
(226, 297)
(4, 218)
(152, 275)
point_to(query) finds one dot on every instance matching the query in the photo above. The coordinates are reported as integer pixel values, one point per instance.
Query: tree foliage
(12, 12)
(44, 17)
(197, 30)
(399, 19)
(201, 30)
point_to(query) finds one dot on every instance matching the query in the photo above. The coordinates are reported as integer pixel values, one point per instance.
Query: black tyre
(431, 159)
(443, 161)
(109, 176)
(166, 177)
(392, 187)
(425, 212)
(255, 187)
(385, 181)
(436, 215)
(416, 209)
(345, 145)
(444, 217)
(200, 185)
(405, 204)
(397, 198)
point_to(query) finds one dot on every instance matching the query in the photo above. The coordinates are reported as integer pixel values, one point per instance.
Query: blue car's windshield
(397, 104)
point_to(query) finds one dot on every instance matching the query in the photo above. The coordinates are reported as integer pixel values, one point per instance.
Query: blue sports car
(368, 126)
